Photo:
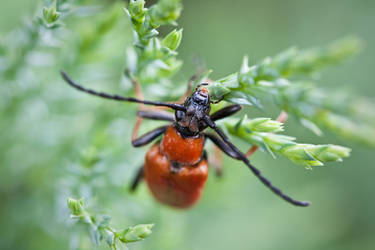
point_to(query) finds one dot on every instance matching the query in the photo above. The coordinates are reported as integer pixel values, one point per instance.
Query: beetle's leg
(149, 137)
(251, 151)
(225, 112)
(216, 159)
(230, 110)
(137, 179)
(139, 95)
(218, 170)
(222, 145)
(241, 156)
(156, 115)
(148, 114)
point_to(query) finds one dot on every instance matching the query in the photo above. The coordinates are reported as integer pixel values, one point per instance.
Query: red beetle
(176, 168)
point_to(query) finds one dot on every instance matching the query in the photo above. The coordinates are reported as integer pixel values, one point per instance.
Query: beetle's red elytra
(182, 188)
(176, 168)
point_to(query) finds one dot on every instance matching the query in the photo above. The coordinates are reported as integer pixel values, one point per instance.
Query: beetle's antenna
(120, 98)
(256, 172)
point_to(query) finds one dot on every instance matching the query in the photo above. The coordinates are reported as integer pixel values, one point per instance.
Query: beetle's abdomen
(180, 189)
(181, 150)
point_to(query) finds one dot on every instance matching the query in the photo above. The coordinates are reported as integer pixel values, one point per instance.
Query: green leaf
(165, 12)
(136, 9)
(173, 39)
(300, 156)
(75, 206)
(50, 14)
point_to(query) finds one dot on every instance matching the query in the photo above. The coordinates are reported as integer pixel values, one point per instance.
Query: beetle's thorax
(190, 122)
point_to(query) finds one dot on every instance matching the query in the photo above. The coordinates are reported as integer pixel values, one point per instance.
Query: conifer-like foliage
(92, 163)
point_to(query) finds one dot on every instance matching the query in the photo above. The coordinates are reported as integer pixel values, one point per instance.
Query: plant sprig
(273, 80)
(153, 58)
(99, 228)
(262, 132)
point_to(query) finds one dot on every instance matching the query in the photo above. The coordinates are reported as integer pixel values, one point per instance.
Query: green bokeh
(236, 211)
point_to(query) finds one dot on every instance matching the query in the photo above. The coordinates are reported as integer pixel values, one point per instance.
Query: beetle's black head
(190, 122)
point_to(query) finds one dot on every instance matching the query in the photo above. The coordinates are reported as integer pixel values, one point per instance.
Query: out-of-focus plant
(25, 39)
(41, 46)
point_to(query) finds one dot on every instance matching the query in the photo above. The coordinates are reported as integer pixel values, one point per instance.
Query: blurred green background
(47, 127)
